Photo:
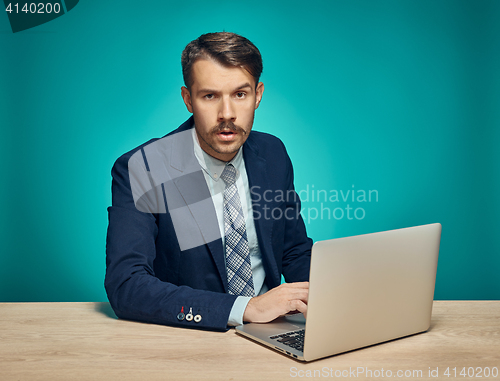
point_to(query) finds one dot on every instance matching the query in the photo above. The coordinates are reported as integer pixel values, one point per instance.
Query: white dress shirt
(212, 169)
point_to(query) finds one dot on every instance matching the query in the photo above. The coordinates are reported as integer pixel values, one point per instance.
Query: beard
(214, 144)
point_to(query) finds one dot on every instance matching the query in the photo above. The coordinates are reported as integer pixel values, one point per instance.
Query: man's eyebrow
(208, 91)
(245, 85)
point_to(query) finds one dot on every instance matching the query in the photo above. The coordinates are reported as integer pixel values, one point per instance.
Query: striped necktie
(239, 269)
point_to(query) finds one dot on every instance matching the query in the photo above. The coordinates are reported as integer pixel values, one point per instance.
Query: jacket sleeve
(133, 290)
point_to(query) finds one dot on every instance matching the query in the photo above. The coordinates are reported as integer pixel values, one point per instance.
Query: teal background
(401, 97)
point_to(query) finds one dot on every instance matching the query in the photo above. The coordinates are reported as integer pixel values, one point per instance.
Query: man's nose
(226, 111)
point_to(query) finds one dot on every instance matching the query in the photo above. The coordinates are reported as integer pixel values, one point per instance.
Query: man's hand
(277, 302)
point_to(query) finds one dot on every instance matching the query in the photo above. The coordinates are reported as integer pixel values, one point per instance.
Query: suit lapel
(256, 168)
(193, 188)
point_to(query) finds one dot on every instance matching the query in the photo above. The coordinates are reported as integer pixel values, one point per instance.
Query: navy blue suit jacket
(149, 278)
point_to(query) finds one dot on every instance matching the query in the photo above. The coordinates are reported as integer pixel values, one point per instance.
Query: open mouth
(227, 135)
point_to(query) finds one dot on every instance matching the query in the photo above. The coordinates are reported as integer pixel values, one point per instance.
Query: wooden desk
(85, 341)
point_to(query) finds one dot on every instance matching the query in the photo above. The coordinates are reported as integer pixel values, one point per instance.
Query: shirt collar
(212, 166)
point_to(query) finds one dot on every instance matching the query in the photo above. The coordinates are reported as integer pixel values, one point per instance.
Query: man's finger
(299, 306)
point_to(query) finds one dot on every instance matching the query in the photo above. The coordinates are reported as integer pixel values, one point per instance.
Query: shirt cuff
(236, 314)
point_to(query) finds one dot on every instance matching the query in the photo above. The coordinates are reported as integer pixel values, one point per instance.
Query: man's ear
(186, 97)
(258, 94)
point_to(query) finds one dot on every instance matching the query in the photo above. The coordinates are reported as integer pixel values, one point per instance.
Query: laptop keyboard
(294, 339)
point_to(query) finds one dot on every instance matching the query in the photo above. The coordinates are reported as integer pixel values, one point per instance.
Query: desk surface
(67, 341)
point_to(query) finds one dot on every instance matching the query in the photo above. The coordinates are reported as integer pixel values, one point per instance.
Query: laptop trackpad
(280, 325)
(296, 318)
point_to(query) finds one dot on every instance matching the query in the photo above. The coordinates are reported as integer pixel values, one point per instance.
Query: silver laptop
(363, 290)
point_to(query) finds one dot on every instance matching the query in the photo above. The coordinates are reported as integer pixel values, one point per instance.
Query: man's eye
(240, 95)
(209, 96)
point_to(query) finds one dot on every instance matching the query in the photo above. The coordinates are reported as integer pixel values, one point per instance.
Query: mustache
(224, 126)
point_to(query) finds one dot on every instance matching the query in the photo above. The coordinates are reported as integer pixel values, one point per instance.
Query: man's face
(223, 101)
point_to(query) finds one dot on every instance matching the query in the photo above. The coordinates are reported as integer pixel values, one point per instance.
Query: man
(205, 220)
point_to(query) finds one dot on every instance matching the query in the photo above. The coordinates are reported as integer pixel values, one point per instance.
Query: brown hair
(228, 49)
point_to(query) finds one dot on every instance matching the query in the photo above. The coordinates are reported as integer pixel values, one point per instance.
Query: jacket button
(189, 315)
